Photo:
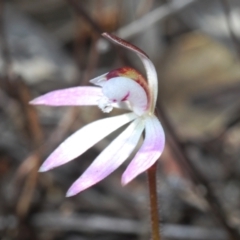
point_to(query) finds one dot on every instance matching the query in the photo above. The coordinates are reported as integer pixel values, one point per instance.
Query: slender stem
(152, 184)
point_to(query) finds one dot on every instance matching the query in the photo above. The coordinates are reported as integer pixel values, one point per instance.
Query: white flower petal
(83, 139)
(99, 81)
(152, 78)
(111, 158)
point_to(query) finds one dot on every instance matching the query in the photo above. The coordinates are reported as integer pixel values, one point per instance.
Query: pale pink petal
(85, 138)
(70, 97)
(110, 159)
(150, 69)
(149, 152)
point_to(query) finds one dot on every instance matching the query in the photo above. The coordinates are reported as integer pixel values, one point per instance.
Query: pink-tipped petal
(70, 97)
(149, 152)
(83, 139)
(110, 159)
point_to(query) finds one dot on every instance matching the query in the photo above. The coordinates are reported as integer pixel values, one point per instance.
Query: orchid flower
(121, 88)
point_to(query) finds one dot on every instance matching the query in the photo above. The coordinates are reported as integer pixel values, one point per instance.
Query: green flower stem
(152, 184)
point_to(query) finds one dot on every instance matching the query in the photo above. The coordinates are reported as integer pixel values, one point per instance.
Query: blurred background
(54, 44)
